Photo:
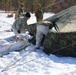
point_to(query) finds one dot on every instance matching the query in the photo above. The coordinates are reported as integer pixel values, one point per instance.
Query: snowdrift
(10, 44)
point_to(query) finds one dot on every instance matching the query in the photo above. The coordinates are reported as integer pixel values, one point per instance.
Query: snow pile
(4, 43)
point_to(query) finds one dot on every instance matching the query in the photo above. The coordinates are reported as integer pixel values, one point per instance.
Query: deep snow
(29, 62)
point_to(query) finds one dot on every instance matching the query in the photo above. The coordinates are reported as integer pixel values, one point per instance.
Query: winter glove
(11, 29)
(18, 31)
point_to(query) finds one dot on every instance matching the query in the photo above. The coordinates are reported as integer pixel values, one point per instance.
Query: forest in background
(54, 6)
(30, 5)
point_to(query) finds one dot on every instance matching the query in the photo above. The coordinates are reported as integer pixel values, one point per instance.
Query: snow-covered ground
(29, 62)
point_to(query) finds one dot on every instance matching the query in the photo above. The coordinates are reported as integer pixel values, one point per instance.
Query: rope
(23, 63)
(11, 63)
(63, 48)
(52, 4)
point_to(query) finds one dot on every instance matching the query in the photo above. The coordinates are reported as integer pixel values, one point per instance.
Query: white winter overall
(41, 30)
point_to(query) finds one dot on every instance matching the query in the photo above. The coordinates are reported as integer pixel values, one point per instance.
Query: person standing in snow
(43, 27)
(39, 13)
(20, 24)
(20, 11)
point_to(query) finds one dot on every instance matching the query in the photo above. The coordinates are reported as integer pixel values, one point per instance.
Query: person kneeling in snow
(20, 24)
(43, 28)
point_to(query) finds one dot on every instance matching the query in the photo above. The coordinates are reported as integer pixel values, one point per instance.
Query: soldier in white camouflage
(20, 24)
(43, 29)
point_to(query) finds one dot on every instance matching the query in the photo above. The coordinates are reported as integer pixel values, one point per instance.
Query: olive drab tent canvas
(64, 17)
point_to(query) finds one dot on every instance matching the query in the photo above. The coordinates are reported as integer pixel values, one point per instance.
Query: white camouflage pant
(41, 29)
